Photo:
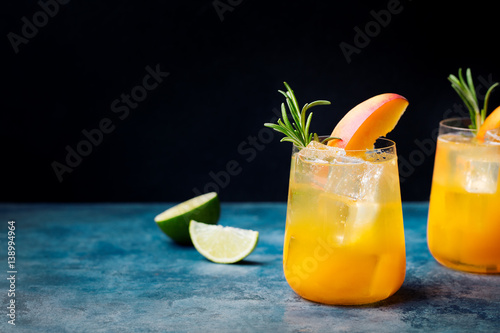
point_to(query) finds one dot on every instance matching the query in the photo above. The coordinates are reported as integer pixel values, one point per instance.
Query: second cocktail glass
(463, 230)
(344, 238)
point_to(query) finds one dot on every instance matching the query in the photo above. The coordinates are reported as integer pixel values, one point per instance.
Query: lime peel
(174, 222)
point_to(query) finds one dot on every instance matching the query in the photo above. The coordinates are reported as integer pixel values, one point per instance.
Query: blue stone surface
(109, 268)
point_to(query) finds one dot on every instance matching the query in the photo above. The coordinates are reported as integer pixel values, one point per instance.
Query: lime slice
(223, 245)
(174, 222)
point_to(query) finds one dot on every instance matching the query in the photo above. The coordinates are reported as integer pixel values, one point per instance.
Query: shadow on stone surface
(405, 294)
(249, 263)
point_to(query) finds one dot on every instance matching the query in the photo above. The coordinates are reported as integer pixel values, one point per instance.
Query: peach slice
(491, 122)
(369, 120)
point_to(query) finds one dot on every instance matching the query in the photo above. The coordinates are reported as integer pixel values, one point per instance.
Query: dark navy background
(162, 100)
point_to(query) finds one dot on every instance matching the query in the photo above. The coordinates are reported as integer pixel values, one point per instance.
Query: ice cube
(354, 178)
(320, 153)
(334, 212)
(493, 136)
(345, 219)
(360, 218)
(313, 163)
(370, 181)
(477, 175)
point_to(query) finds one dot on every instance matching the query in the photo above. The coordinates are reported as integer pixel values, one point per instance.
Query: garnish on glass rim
(467, 93)
(298, 131)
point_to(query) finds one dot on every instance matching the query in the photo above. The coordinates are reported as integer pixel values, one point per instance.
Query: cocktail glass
(344, 237)
(463, 229)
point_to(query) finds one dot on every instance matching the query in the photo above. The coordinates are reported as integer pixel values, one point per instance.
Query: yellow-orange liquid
(339, 249)
(463, 230)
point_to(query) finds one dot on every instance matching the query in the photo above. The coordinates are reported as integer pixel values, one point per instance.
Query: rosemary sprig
(467, 92)
(296, 132)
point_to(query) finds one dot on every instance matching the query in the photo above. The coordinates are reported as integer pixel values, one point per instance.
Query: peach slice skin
(491, 122)
(369, 120)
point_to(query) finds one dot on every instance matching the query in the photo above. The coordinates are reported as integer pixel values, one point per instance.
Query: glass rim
(459, 120)
(464, 121)
(389, 144)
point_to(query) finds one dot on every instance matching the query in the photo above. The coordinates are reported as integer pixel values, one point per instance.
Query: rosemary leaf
(308, 123)
(486, 100)
(470, 84)
(325, 140)
(296, 132)
(285, 117)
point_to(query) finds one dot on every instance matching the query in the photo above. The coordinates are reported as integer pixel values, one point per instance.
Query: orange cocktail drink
(344, 237)
(463, 229)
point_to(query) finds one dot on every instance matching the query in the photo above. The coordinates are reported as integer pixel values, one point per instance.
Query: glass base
(459, 266)
(345, 302)
(330, 297)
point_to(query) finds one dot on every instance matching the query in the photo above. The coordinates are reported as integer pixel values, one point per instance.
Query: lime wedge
(223, 245)
(174, 222)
